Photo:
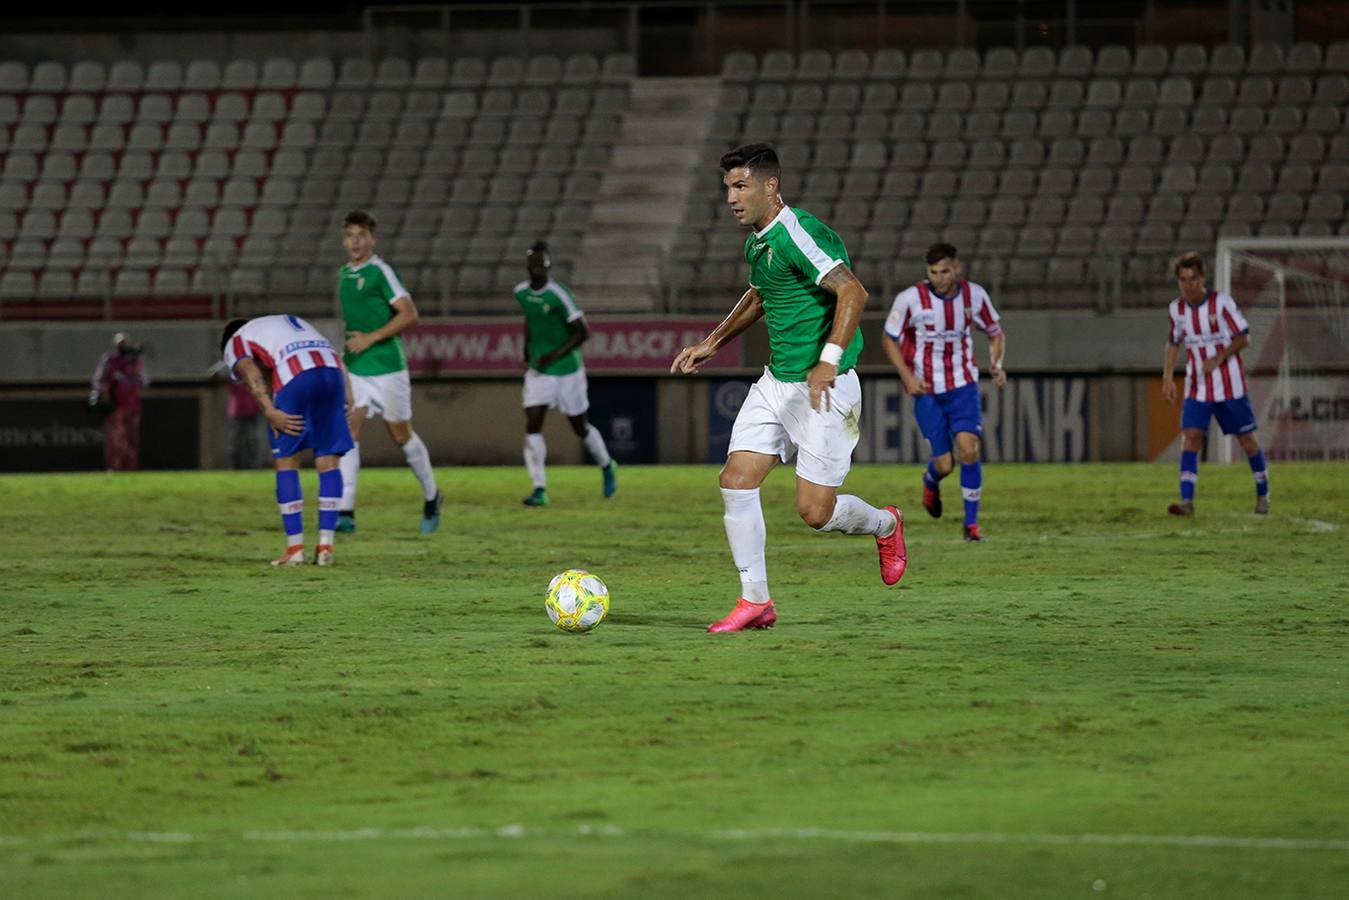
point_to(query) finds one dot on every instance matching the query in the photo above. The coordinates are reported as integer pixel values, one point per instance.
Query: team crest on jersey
(360, 282)
(769, 258)
(1212, 320)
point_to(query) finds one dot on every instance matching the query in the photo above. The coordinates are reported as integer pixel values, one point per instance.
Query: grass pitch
(1100, 700)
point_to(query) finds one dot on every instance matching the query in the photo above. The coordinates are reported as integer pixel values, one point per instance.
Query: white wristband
(831, 353)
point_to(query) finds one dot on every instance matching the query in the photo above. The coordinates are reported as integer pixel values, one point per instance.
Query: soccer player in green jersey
(376, 308)
(808, 401)
(555, 329)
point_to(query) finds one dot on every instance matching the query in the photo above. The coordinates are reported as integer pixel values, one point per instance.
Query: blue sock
(971, 480)
(1261, 473)
(1189, 473)
(932, 477)
(290, 501)
(330, 499)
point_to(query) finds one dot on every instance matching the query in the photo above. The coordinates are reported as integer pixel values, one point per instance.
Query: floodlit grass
(1050, 714)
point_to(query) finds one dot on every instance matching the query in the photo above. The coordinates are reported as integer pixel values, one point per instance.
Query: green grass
(179, 719)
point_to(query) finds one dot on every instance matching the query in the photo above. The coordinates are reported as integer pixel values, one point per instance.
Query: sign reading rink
(1028, 420)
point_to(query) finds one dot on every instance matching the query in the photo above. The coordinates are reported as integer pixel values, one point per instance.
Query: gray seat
(1074, 62)
(1303, 59)
(1000, 64)
(1150, 61)
(1171, 123)
(1255, 177)
(1227, 59)
(962, 64)
(1294, 90)
(1019, 124)
(1189, 60)
(925, 65)
(1284, 120)
(1256, 90)
(1265, 59)
(888, 64)
(1215, 178)
(1029, 95)
(851, 64)
(739, 66)
(1036, 63)
(777, 65)
(1095, 181)
(1055, 123)
(814, 65)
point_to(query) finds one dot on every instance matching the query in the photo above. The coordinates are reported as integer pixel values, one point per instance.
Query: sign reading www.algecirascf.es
(614, 344)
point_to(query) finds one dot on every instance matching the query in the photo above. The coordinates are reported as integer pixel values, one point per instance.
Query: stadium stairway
(656, 163)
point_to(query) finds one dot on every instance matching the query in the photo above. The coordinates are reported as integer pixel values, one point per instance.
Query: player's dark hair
(233, 326)
(1188, 260)
(760, 159)
(360, 218)
(939, 251)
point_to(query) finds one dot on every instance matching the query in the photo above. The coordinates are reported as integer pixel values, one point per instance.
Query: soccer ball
(576, 600)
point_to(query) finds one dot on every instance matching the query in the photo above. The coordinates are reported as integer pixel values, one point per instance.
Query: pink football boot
(894, 555)
(746, 615)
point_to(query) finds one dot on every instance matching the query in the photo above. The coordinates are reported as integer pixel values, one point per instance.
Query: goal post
(1295, 293)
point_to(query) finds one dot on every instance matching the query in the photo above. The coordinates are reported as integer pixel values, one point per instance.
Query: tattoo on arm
(839, 277)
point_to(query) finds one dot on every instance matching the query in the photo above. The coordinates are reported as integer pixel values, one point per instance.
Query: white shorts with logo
(569, 394)
(387, 396)
(776, 418)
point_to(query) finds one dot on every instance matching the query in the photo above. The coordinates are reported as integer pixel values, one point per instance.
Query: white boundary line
(515, 832)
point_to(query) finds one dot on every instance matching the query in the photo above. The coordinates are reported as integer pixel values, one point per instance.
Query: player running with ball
(807, 403)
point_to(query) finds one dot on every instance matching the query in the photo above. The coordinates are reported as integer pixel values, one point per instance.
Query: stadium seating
(1060, 176)
(1131, 144)
(170, 179)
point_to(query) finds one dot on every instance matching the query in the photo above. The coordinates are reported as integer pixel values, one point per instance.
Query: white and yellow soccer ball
(576, 600)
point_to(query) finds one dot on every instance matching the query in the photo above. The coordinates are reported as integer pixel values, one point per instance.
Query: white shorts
(568, 394)
(387, 396)
(776, 418)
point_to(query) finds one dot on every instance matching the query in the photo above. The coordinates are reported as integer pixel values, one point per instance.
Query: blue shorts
(940, 416)
(320, 395)
(1234, 416)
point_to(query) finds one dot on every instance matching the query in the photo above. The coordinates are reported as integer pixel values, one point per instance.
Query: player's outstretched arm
(747, 310)
(256, 382)
(404, 317)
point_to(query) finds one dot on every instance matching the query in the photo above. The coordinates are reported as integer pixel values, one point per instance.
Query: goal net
(1295, 293)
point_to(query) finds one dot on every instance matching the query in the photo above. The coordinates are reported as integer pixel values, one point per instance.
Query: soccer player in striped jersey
(376, 308)
(809, 399)
(929, 345)
(1213, 332)
(298, 380)
(555, 375)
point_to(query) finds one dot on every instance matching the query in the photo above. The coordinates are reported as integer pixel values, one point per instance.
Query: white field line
(515, 832)
(1315, 524)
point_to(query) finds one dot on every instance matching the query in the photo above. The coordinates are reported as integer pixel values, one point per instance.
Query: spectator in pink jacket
(116, 387)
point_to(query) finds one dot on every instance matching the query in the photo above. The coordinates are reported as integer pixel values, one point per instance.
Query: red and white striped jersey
(283, 345)
(934, 332)
(1206, 328)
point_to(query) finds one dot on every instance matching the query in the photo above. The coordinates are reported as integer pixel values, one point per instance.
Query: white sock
(747, 535)
(419, 458)
(536, 454)
(594, 442)
(325, 538)
(853, 515)
(350, 464)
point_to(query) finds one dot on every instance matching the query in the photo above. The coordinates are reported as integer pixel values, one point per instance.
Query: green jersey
(547, 312)
(367, 293)
(787, 261)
